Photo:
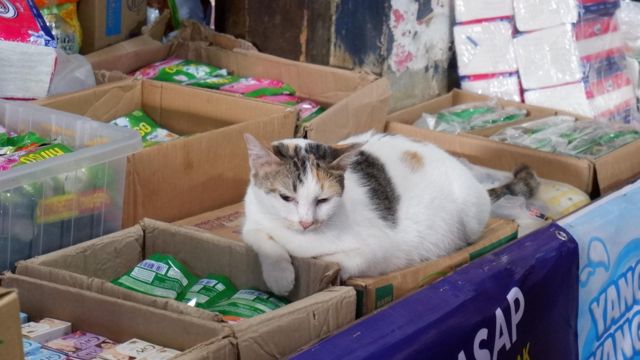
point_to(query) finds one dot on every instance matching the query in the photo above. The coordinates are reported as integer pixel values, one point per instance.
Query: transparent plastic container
(65, 200)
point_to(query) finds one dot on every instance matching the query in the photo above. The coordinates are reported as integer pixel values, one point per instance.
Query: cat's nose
(306, 224)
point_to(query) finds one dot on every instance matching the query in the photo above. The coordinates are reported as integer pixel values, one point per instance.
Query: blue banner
(518, 302)
(113, 18)
(608, 235)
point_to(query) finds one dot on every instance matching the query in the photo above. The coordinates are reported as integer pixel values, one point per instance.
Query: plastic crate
(65, 200)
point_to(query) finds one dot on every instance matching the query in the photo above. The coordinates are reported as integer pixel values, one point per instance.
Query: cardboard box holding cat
(116, 320)
(207, 167)
(595, 177)
(356, 101)
(318, 307)
(374, 292)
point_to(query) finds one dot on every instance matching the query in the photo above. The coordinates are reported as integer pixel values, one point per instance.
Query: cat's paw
(279, 276)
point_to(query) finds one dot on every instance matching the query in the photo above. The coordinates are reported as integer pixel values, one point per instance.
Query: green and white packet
(246, 304)
(208, 291)
(160, 275)
(149, 130)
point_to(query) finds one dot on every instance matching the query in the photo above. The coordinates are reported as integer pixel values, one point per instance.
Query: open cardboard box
(10, 334)
(318, 307)
(119, 320)
(374, 292)
(595, 177)
(357, 102)
(189, 175)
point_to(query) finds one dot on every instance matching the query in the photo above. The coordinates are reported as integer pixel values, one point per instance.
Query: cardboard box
(375, 292)
(226, 222)
(190, 175)
(10, 333)
(106, 22)
(120, 320)
(357, 102)
(595, 177)
(318, 308)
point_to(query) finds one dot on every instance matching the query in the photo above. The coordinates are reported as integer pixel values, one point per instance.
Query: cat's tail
(525, 183)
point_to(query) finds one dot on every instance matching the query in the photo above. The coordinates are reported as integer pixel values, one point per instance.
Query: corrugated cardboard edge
(10, 333)
(216, 349)
(169, 320)
(277, 334)
(137, 43)
(497, 233)
(363, 110)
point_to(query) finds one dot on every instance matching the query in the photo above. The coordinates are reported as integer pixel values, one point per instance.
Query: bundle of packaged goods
(193, 73)
(353, 102)
(568, 56)
(60, 322)
(149, 130)
(62, 18)
(53, 339)
(163, 276)
(28, 49)
(563, 134)
(470, 116)
(58, 185)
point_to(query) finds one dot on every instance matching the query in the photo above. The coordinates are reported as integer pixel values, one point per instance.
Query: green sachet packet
(246, 304)
(159, 275)
(208, 291)
(26, 139)
(179, 71)
(149, 130)
(214, 83)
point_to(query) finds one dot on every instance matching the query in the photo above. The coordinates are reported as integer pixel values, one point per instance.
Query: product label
(64, 207)
(113, 18)
(609, 308)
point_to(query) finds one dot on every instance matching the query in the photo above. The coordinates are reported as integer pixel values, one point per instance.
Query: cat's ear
(259, 156)
(345, 155)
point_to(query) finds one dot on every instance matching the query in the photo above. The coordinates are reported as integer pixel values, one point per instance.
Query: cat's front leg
(277, 269)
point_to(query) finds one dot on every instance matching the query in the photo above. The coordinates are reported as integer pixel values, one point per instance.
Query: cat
(374, 203)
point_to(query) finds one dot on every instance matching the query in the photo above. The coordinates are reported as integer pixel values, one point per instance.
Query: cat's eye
(321, 201)
(286, 198)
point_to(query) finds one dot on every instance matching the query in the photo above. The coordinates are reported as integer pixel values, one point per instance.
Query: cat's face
(298, 181)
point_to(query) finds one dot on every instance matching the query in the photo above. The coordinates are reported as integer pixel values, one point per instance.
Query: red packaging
(22, 22)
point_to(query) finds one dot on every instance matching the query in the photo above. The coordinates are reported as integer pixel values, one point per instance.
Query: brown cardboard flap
(112, 318)
(104, 258)
(617, 168)
(210, 254)
(104, 103)
(485, 152)
(157, 30)
(364, 110)
(131, 60)
(267, 336)
(212, 350)
(10, 333)
(191, 175)
(226, 222)
(137, 43)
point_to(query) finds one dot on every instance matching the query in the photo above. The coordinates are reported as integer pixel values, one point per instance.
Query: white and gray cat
(374, 203)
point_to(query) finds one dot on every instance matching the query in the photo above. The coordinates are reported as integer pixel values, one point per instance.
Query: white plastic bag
(72, 73)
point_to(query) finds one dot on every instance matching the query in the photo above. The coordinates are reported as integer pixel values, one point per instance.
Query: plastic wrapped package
(504, 86)
(470, 10)
(553, 200)
(470, 116)
(628, 18)
(62, 18)
(73, 73)
(570, 97)
(548, 57)
(540, 14)
(485, 48)
(185, 10)
(585, 139)
(533, 15)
